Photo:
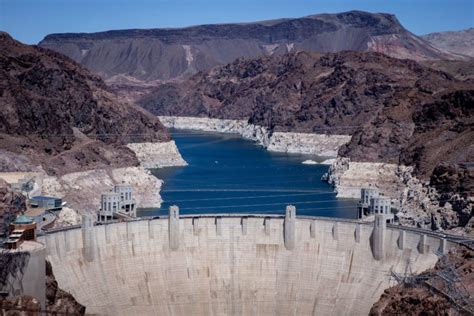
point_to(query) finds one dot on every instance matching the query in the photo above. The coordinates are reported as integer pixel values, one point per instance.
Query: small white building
(118, 203)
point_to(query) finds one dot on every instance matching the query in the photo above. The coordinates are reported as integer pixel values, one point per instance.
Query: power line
(251, 197)
(262, 204)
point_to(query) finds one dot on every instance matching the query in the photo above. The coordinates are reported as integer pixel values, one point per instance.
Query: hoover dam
(225, 264)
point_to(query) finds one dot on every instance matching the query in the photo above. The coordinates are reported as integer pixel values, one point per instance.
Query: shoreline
(81, 190)
(416, 203)
(322, 145)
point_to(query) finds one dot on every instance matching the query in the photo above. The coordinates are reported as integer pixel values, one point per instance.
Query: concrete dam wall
(235, 265)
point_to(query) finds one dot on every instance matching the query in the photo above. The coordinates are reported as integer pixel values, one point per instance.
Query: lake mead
(228, 174)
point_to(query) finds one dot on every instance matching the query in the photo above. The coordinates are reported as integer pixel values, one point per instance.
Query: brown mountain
(162, 54)
(56, 114)
(398, 110)
(459, 42)
(460, 69)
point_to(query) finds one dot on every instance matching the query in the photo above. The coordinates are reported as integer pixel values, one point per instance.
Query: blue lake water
(227, 174)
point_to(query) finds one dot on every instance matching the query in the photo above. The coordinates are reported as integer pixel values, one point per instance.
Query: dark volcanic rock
(58, 115)
(419, 297)
(163, 54)
(398, 111)
(58, 300)
(460, 69)
(11, 205)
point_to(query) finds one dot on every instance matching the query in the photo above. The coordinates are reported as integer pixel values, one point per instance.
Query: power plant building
(373, 203)
(118, 203)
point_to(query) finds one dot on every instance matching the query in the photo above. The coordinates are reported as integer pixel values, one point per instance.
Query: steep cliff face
(162, 54)
(57, 300)
(58, 115)
(459, 42)
(397, 112)
(334, 93)
(420, 135)
(11, 205)
(431, 290)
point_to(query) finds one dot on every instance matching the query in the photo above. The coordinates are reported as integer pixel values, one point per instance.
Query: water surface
(227, 174)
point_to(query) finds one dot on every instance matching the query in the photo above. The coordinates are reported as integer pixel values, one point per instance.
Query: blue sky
(30, 20)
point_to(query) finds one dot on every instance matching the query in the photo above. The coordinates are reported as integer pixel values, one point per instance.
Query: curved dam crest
(235, 265)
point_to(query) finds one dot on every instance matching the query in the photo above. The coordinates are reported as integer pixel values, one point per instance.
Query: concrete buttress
(377, 239)
(88, 238)
(401, 240)
(442, 246)
(244, 223)
(173, 227)
(267, 226)
(422, 247)
(312, 229)
(219, 226)
(357, 233)
(290, 229)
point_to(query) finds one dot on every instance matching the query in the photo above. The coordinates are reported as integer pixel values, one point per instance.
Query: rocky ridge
(62, 122)
(148, 55)
(459, 42)
(58, 115)
(12, 204)
(429, 292)
(398, 114)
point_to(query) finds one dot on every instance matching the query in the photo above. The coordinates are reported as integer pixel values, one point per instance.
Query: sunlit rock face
(163, 54)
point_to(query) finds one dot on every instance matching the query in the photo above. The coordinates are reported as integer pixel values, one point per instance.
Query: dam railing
(450, 237)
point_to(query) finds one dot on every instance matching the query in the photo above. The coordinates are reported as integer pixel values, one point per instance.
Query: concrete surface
(234, 265)
(31, 279)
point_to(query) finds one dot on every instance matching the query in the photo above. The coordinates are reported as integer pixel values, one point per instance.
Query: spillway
(235, 265)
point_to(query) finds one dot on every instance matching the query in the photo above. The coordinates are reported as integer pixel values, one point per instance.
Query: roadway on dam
(227, 173)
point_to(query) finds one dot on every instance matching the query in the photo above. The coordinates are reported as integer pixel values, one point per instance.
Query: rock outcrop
(162, 54)
(418, 203)
(58, 115)
(11, 204)
(431, 290)
(459, 42)
(157, 155)
(307, 93)
(60, 120)
(305, 143)
(82, 189)
(253, 132)
(396, 114)
(57, 301)
(302, 143)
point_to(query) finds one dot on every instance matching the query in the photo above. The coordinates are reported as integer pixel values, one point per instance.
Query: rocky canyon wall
(300, 143)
